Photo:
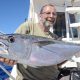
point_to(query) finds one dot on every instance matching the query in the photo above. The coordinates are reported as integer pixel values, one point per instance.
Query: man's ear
(39, 16)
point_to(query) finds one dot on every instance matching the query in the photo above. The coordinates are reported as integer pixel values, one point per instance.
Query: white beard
(51, 29)
(48, 24)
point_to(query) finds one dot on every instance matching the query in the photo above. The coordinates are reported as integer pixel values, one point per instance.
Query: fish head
(5, 41)
(14, 45)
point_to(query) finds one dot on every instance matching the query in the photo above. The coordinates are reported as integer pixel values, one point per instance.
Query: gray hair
(45, 6)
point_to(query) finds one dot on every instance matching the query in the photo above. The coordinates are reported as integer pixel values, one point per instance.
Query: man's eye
(48, 13)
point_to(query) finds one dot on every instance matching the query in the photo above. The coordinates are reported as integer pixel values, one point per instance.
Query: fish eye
(11, 39)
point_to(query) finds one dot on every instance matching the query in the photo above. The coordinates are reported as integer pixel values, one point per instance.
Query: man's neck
(44, 28)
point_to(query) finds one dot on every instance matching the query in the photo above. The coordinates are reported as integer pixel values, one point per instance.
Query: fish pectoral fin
(4, 52)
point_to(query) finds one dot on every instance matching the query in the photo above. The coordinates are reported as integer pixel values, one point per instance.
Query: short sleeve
(23, 28)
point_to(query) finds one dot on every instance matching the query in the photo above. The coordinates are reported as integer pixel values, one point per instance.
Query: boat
(68, 20)
(68, 17)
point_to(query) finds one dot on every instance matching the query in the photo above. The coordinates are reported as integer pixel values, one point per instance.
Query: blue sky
(12, 14)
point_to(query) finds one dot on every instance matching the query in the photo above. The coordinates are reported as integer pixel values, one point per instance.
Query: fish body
(36, 50)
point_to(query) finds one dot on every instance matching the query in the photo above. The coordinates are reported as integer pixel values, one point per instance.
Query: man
(47, 18)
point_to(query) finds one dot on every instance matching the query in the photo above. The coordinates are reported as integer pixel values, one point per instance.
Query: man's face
(48, 15)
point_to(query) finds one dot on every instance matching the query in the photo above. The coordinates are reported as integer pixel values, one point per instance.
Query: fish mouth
(3, 48)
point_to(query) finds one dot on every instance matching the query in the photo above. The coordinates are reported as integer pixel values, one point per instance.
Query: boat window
(60, 26)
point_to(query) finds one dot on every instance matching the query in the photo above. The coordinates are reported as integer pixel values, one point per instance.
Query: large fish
(35, 50)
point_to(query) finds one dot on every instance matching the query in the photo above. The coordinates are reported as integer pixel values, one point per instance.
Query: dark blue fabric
(3, 75)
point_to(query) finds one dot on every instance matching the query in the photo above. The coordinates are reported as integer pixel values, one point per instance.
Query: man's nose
(51, 15)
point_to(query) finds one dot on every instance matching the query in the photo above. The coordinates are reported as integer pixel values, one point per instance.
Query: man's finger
(1, 59)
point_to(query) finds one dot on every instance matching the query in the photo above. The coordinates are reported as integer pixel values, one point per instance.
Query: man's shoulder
(24, 23)
(22, 27)
(25, 26)
(28, 23)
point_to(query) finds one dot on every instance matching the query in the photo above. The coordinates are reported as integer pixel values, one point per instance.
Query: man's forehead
(46, 8)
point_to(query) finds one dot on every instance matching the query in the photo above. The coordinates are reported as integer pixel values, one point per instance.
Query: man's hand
(7, 61)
